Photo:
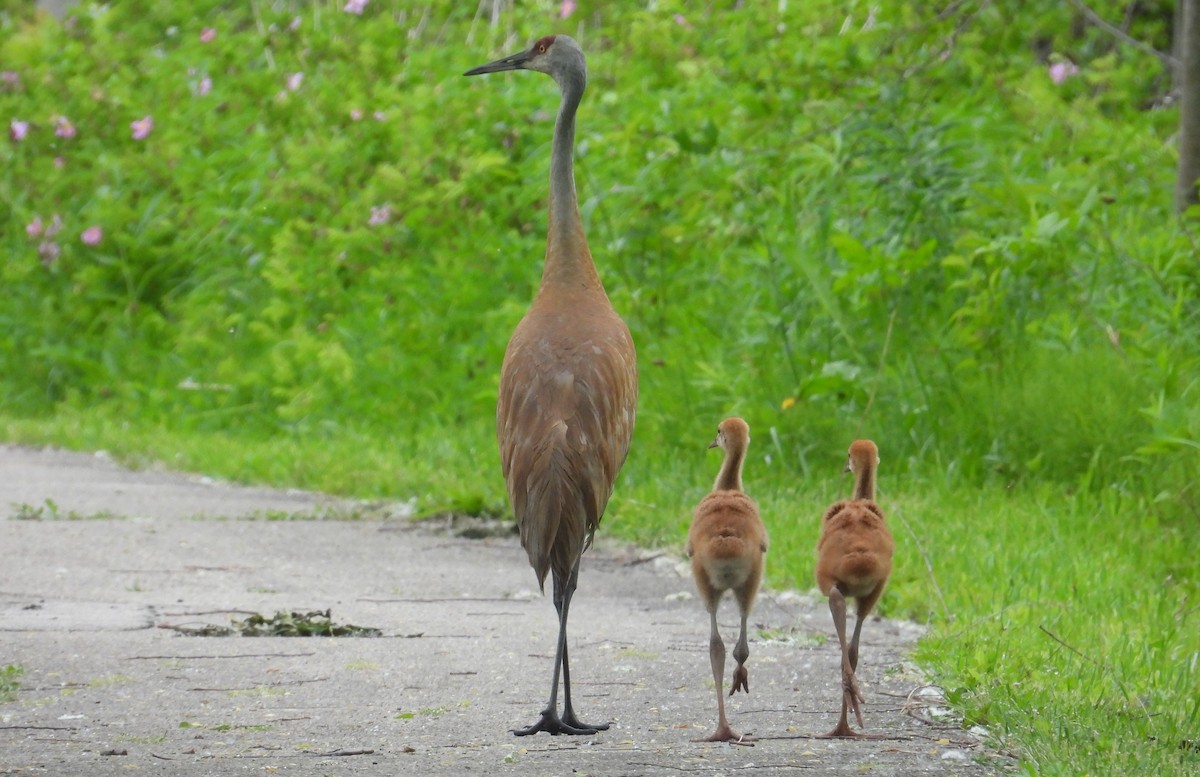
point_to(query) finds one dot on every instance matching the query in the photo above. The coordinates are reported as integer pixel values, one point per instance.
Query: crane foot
(725, 733)
(552, 724)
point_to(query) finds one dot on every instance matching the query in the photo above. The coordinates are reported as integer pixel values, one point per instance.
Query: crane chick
(854, 558)
(726, 543)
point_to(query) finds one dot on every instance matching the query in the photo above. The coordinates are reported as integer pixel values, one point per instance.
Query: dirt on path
(106, 573)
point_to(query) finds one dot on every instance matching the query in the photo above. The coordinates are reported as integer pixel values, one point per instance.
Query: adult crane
(568, 385)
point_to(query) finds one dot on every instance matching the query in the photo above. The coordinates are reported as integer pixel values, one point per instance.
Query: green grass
(10, 681)
(49, 511)
(1075, 627)
(836, 219)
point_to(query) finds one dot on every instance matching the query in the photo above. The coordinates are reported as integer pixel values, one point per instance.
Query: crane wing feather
(568, 393)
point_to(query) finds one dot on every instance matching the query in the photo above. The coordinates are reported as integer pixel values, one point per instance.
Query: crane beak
(514, 62)
(716, 443)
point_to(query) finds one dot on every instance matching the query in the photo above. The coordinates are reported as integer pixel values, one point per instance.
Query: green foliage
(317, 623)
(835, 219)
(10, 681)
(1080, 647)
(50, 511)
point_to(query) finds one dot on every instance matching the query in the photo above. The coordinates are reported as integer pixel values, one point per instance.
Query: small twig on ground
(206, 612)
(873, 737)
(340, 753)
(272, 685)
(449, 599)
(916, 714)
(670, 766)
(940, 735)
(240, 655)
(207, 630)
(37, 728)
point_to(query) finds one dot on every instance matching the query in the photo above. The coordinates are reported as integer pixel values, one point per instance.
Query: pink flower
(34, 228)
(18, 129)
(10, 79)
(355, 6)
(566, 9)
(91, 236)
(294, 24)
(142, 127)
(208, 35)
(204, 87)
(54, 226)
(379, 116)
(1061, 71)
(63, 127)
(294, 81)
(356, 114)
(380, 215)
(59, 163)
(682, 21)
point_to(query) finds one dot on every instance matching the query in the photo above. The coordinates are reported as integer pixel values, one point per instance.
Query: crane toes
(853, 703)
(741, 681)
(852, 696)
(725, 733)
(552, 724)
(571, 721)
(842, 731)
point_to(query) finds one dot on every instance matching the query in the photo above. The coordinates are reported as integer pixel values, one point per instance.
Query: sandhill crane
(854, 558)
(568, 385)
(726, 542)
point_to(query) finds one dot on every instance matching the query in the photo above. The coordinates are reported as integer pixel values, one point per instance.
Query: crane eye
(541, 48)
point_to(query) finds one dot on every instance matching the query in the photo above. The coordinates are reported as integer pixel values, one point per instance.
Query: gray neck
(730, 476)
(566, 228)
(864, 481)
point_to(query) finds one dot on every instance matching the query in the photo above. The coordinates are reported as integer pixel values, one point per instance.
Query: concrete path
(104, 572)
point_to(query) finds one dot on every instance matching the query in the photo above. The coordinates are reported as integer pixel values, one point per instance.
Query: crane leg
(851, 696)
(550, 721)
(716, 657)
(568, 716)
(741, 651)
(864, 608)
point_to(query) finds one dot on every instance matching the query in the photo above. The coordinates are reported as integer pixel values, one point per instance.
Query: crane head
(863, 453)
(731, 431)
(554, 55)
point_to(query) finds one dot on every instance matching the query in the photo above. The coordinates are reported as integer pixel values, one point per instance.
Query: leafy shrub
(325, 228)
